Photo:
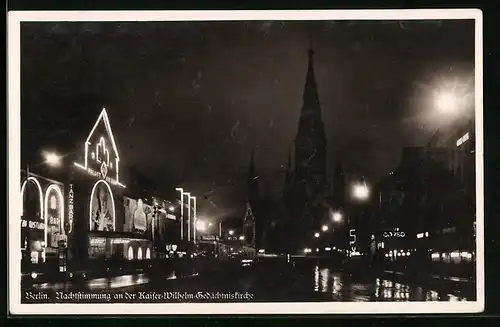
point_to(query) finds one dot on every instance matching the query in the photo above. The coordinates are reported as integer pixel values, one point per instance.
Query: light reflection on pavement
(334, 286)
(314, 283)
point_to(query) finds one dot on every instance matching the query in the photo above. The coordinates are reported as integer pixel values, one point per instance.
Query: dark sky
(188, 101)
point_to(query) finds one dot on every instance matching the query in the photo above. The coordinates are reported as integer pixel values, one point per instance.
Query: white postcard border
(14, 102)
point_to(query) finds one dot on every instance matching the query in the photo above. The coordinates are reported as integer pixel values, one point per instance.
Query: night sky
(188, 101)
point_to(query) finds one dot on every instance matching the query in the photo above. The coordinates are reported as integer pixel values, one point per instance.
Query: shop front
(43, 228)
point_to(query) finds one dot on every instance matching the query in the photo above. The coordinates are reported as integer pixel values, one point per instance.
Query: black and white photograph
(245, 162)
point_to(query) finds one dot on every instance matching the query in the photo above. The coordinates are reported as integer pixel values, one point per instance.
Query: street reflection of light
(397, 286)
(377, 282)
(316, 279)
(387, 294)
(97, 283)
(454, 298)
(387, 283)
(432, 296)
(324, 276)
(337, 284)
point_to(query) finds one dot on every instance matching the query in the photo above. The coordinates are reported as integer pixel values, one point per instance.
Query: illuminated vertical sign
(352, 242)
(71, 195)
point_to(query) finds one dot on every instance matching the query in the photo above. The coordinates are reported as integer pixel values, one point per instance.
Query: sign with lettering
(101, 154)
(394, 234)
(352, 241)
(54, 214)
(32, 224)
(71, 196)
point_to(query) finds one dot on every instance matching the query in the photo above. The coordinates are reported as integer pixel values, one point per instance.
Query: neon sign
(396, 234)
(102, 154)
(32, 224)
(56, 223)
(40, 195)
(70, 208)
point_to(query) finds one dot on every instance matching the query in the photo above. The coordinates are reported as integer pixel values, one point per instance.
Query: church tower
(249, 220)
(310, 141)
(306, 186)
(253, 184)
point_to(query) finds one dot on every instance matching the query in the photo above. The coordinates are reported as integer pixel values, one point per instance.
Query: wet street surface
(266, 282)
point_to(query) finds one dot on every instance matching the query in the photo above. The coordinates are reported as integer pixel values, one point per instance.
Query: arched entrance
(33, 221)
(102, 208)
(54, 215)
(130, 254)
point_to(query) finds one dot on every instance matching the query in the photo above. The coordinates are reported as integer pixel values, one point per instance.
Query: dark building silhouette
(306, 186)
(252, 227)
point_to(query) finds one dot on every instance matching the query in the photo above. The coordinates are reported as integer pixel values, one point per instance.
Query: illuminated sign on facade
(101, 154)
(54, 214)
(71, 197)
(396, 234)
(32, 224)
(102, 208)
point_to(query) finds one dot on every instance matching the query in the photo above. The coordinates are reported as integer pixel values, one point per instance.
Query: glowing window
(148, 253)
(130, 253)
(139, 254)
(53, 202)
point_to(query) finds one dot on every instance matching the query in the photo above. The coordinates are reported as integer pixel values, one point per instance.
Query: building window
(148, 254)
(463, 139)
(139, 254)
(130, 253)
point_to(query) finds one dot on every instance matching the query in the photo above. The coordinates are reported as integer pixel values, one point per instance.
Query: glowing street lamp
(171, 208)
(324, 228)
(52, 159)
(241, 238)
(231, 232)
(453, 96)
(316, 235)
(446, 102)
(181, 191)
(337, 217)
(360, 191)
(201, 226)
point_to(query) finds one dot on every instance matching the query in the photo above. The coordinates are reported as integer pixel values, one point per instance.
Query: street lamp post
(181, 191)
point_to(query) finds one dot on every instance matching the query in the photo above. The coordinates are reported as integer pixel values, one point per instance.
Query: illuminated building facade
(104, 223)
(426, 208)
(43, 224)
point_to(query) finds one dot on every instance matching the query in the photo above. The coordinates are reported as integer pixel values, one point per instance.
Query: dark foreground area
(251, 281)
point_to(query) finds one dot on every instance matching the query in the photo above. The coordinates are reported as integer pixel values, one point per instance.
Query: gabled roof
(104, 117)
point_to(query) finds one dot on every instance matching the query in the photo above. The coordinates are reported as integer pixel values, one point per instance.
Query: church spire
(252, 182)
(311, 98)
(288, 167)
